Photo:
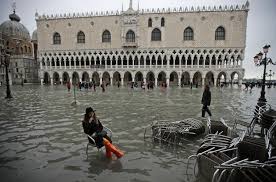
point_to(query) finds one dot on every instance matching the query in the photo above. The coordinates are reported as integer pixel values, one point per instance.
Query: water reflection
(41, 137)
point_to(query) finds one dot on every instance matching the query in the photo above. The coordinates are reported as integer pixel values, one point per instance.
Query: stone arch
(142, 61)
(46, 78)
(138, 77)
(56, 78)
(153, 61)
(75, 78)
(161, 78)
(116, 78)
(159, 60)
(150, 77)
(177, 62)
(65, 77)
(185, 78)
(173, 79)
(96, 78)
(209, 78)
(235, 77)
(127, 78)
(85, 77)
(222, 78)
(197, 78)
(106, 78)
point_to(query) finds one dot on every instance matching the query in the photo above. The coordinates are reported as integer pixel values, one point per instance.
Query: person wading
(206, 101)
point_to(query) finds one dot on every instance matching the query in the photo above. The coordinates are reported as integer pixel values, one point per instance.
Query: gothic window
(220, 33)
(81, 37)
(188, 34)
(156, 35)
(130, 36)
(56, 38)
(106, 37)
(162, 22)
(150, 22)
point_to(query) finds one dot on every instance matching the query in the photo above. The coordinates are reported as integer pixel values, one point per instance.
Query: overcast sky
(261, 26)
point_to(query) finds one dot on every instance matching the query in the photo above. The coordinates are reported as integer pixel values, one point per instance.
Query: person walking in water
(94, 128)
(206, 101)
(68, 86)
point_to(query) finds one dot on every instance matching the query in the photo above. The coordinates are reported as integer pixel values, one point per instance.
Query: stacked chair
(246, 158)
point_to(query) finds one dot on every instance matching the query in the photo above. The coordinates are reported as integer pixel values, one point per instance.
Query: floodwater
(41, 137)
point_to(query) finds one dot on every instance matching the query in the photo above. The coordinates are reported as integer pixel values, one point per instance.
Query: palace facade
(199, 45)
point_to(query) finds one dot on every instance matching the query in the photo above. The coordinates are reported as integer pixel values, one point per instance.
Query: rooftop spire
(13, 6)
(130, 4)
(14, 17)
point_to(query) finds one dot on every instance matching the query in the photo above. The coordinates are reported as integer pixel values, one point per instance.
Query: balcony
(130, 44)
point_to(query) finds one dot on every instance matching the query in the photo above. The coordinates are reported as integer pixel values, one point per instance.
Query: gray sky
(261, 26)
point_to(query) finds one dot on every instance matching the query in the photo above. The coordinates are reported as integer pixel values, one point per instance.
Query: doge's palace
(179, 46)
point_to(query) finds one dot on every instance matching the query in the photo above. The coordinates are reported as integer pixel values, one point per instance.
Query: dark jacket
(206, 98)
(91, 128)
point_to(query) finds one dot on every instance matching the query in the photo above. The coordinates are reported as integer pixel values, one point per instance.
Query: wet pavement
(41, 137)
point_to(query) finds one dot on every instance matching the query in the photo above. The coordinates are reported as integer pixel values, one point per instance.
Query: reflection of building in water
(15, 37)
(176, 46)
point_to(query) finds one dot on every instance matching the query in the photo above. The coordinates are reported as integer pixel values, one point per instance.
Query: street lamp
(259, 61)
(270, 75)
(5, 61)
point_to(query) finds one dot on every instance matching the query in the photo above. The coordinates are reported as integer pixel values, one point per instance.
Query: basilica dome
(13, 28)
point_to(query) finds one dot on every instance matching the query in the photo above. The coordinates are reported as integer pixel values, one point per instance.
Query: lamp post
(259, 61)
(5, 61)
(270, 75)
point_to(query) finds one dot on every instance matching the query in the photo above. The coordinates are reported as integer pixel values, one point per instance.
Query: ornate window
(162, 22)
(150, 22)
(220, 33)
(188, 34)
(56, 38)
(130, 36)
(81, 37)
(106, 37)
(156, 35)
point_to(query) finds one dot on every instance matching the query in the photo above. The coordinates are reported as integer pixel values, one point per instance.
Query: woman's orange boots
(109, 148)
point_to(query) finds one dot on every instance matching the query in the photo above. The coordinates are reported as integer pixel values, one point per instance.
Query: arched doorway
(106, 78)
(197, 79)
(161, 79)
(46, 78)
(173, 79)
(56, 79)
(85, 77)
(209, 79)
(150, 77)
(65, 77)
(75, 78)
(116, 78)
(96, 78)
(221, 78)
(127, 78)
(138, 77)
(235, 78)
(185, 79)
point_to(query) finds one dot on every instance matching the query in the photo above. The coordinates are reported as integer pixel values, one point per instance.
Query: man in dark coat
(206, 101)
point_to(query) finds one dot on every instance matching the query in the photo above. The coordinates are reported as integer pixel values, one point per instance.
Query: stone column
(240, 82)
(90, 79)
(179, 81)
(122, 81)
(168, 81)
(52, 82)
(80, 80)
(155, 82)
(145, 80)
(215, 81)
(41, 81)
(111, 81)
(70, 80)
(101, 79)
(203, 81)
(60, 81)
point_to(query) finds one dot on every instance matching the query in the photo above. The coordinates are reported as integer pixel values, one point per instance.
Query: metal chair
(92, 142)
